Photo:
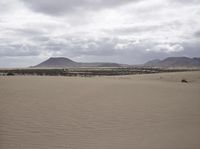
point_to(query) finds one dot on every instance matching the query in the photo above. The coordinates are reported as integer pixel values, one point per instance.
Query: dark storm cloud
(28, 32)
(191, 49)
(78, 47)
(17, 50)
(197, 34)
(57, 7)
(135, 29)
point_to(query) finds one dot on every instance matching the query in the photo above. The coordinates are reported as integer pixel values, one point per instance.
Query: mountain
(175, 62)
(57, 62)
(152, 62)
(62, 62)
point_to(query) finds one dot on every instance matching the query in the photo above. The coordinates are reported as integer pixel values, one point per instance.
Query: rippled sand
(128, 112)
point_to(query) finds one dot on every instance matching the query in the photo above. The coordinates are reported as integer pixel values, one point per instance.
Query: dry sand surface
(125, 112)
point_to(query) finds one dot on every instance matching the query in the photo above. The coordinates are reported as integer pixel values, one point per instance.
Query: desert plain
(151, 111)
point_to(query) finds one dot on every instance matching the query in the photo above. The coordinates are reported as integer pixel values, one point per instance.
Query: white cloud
(166, 48)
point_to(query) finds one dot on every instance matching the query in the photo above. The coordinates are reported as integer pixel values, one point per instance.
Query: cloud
(70, 6)
(166, 48)
(186, 1)
(197, 34)
(125, 31)
(17, 50)
(6, 6)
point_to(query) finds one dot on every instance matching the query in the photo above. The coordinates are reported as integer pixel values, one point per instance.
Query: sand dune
(125, 112)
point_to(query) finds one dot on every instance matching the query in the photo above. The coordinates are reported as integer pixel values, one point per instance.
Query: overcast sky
(123, 31)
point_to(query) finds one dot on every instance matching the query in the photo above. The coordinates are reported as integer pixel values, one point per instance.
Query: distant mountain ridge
(175, 62)
(170, 62)
(63, 62)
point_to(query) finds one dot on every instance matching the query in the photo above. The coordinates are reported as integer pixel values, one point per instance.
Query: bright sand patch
(125, 112)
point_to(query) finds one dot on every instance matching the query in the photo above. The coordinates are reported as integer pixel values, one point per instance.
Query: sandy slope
(142, 112)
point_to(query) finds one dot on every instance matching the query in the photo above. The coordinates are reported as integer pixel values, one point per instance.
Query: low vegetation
(88, 71)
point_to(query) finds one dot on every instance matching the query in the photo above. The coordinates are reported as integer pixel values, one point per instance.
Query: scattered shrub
(10, 74)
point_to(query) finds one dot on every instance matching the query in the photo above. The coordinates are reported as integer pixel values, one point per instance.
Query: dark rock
(184, 81)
